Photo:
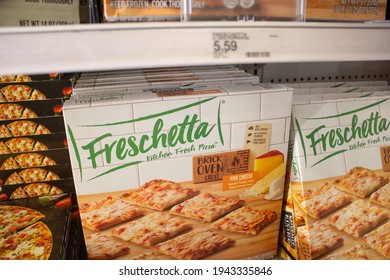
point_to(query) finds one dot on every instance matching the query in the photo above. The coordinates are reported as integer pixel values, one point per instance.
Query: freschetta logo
(325, 142)
(135, 149)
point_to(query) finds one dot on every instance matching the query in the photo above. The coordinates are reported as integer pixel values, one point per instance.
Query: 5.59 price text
(225, 46)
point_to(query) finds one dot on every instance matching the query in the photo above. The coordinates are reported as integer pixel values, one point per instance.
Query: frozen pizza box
(336, 201)
(42, 235)
(152, 158)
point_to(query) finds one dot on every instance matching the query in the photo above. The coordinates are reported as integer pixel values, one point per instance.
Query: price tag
(227, 44)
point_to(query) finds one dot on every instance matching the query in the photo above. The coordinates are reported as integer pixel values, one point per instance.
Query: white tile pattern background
(272, 105)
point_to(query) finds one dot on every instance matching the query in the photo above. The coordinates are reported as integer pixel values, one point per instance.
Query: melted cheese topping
(361, 181)
(358, 218)
(101, 246)
(159, 194)
(379, 239)
(206, 207)
(382, 196)
(320, 203)
(194, 245)
(319, 238)
(151, 229)
(107, 212)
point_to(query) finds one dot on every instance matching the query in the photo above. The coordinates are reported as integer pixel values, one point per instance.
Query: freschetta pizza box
(32, 126)
(30, 109)
(344, 10)
(34, 159)
(152, 158)
(337, 197)
(39, 90)
(37, 189)
(30, 143)
(35, 228)
(125, 83)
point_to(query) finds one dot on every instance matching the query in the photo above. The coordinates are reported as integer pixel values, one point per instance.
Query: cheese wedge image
(267, 162)
(262, 186)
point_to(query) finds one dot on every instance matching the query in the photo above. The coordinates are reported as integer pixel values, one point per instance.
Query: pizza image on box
(361, 182)
(246, 220)
(159, 194)
(23, 235)
(103, 247)
(21, 145)
(19, 92)
(10, 111)
(22, 128)
(321, 200)
(35, 190)
(13, 78)
(195, 245)
(31, 175)
(207, 207)
(100, 214)
(27, 160)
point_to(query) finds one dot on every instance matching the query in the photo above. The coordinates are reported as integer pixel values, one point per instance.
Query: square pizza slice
(246, 220)
(207, 207)
(379, 239)
(358, 218)
(357, 252)
(107, 212)
(321, 200)
(361, 182)
(382, 196)
(195, 245)
(317, 239)
(159, 194)
(151, 229)
(102, 247)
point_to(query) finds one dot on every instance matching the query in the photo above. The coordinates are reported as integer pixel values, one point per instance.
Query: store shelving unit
(140, 45)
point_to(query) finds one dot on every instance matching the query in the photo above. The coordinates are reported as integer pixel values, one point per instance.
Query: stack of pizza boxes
(196, 163)
(337, 198)
(35, 172)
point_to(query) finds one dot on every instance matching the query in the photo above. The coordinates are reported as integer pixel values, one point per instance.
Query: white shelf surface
(80, 48)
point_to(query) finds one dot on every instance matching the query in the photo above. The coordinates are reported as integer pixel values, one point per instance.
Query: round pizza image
(24, 235)
(27, 160)
(31, 175)
(35, 190)
(20, 92)
(10, 111)
(21, 145)
(18, 78)
(22, 128)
